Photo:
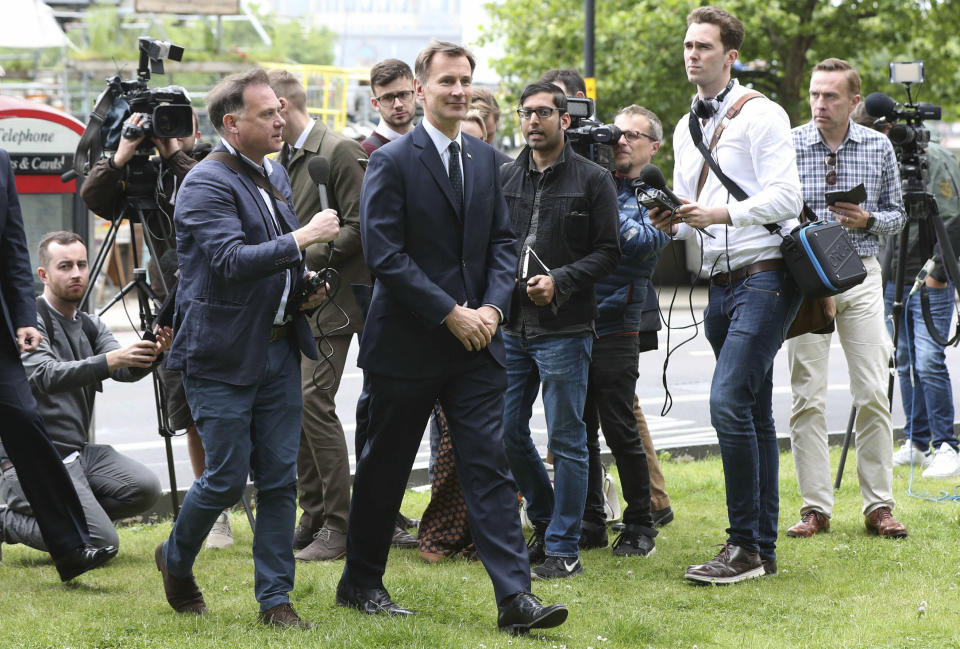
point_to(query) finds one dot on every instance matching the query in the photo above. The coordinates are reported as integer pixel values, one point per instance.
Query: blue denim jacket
(626, 300)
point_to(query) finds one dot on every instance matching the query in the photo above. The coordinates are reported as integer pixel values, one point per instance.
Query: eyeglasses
(543, 112)
(831, 162)
(403, 95)
(633, 136)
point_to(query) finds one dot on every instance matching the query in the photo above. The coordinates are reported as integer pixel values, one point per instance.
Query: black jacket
(577, 236)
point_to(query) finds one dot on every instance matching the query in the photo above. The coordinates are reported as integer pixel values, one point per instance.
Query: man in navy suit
(437, 237)
(239, 331)
(44, 480)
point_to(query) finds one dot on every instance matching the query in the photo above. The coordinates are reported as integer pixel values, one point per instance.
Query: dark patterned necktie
(456, 178)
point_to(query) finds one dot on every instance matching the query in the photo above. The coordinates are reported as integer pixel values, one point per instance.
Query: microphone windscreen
(651, 175)
(319, 168)
(880, 105)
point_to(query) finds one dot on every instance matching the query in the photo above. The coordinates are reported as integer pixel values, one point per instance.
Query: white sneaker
(902, 456)
(220, 536)
(946, 463)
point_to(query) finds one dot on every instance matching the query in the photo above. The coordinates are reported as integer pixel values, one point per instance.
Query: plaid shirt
(865, 156)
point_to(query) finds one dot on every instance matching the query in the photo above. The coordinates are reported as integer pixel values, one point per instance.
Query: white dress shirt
(756, 152)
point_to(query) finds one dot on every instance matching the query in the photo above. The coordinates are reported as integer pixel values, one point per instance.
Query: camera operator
(66, 371)
(627, 323)
(103, 192)
(834, 153)
(926, 392)
(103, 188)
(752, 301)
(564, 213)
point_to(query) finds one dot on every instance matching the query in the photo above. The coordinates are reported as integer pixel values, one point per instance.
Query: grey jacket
(65, 378)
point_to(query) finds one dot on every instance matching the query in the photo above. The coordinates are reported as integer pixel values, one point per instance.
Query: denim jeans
(746, 322)
(560, 364)
(927, 396)
(246, 429)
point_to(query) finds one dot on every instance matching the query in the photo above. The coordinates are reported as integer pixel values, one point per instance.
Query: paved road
(125, 414)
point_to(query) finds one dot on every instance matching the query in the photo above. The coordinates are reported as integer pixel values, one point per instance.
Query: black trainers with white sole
(557, 568)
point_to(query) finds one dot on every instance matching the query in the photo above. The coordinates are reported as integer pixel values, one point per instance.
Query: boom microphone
(319, 168)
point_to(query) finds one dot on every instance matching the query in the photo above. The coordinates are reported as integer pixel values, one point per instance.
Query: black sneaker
(557, 568)
(633, 542)
(662, 517)
(593, 536)
(537, 544)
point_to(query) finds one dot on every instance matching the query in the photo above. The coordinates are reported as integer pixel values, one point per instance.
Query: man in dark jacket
(627, 323)
(564, 212)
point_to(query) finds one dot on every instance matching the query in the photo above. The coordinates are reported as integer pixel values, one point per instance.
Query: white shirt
(442, 142)
(756, 152)
(280, 317)
(303, 136)
(387, 132)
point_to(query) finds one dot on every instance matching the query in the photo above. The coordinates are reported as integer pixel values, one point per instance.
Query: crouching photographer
(66, 371)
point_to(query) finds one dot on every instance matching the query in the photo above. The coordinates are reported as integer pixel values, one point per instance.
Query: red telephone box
(41, 142)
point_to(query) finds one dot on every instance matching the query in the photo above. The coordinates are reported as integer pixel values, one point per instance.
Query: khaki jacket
(343, 195)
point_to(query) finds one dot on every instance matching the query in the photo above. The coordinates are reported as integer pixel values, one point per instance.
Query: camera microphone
(922, 275)
(319, 168)
(880, 105)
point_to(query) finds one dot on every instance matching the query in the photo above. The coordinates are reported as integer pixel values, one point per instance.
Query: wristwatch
(870, 222)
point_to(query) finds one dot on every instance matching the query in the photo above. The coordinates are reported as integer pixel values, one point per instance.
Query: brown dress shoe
(881, 521)
(732, 564)
(283, 616)
(182, 593)
(810, 523)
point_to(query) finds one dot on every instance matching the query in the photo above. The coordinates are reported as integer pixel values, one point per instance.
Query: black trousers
(609, 407)
(471, 395)
(44, 479)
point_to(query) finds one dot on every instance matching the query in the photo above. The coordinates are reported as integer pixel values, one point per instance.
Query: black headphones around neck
(708, 107)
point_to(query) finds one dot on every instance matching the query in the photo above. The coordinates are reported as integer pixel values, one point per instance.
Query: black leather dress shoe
(79, 560)
(371, 601)
(524, 611)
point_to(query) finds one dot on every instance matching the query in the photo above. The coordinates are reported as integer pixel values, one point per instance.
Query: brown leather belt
(723, 279)
(281, 332)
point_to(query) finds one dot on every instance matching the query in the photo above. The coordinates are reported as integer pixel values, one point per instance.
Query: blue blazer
(232, 274)
(427, 256)
(18, 306)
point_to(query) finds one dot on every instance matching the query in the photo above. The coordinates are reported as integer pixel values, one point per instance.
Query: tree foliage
(112, 35)
(639, 53)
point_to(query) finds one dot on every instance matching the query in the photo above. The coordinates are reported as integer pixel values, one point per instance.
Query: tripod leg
(171, 471)
(846, 446)
(246, 507)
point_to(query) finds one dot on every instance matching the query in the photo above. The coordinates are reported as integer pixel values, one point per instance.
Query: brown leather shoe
(283, 616)
(810, 523)
(881, 521)
(732, 564)
(182, 593)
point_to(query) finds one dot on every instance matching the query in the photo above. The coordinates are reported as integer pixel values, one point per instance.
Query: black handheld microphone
(319, 168)
(652, 176)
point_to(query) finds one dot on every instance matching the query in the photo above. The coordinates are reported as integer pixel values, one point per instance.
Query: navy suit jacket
(232, 274)
(18, 306)
(427, 256)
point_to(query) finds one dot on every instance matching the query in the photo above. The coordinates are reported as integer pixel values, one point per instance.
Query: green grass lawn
(840, 589)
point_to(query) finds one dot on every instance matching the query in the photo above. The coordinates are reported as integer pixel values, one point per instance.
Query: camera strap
(240, 167)
(697, 136)
(709, 163)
